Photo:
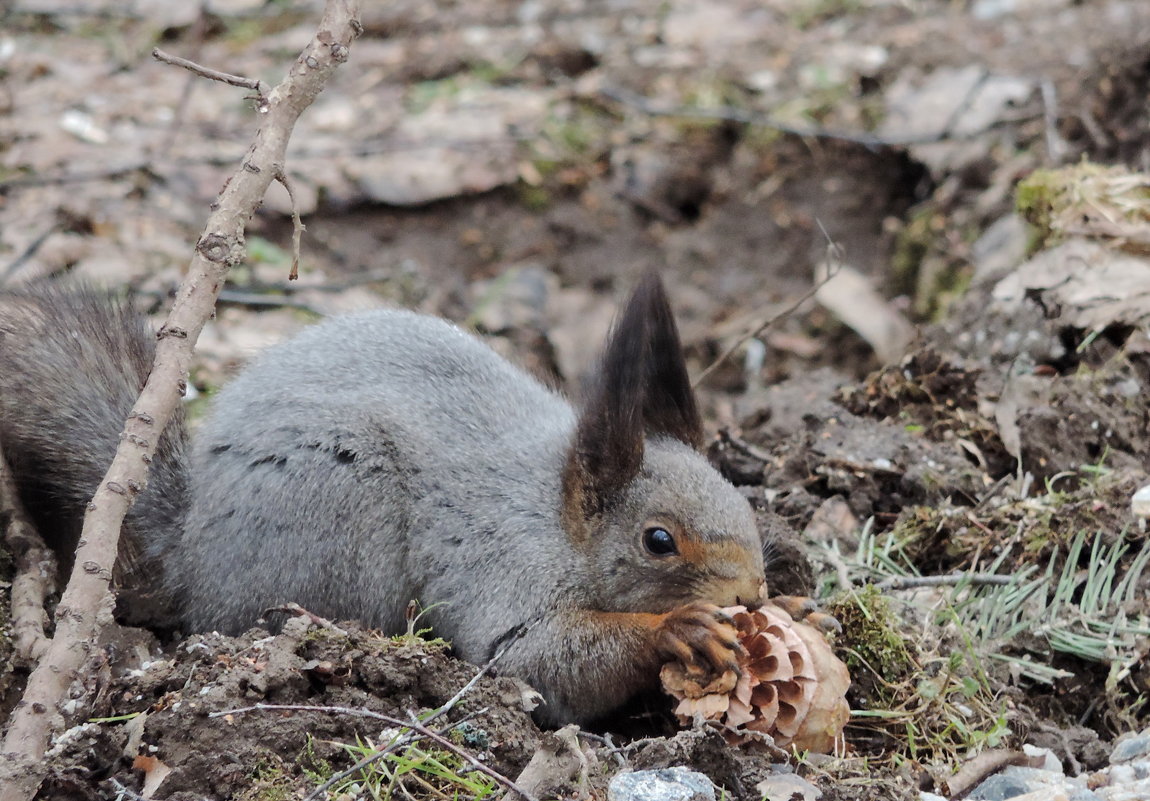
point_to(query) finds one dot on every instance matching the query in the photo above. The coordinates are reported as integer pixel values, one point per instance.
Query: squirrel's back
(331, 450)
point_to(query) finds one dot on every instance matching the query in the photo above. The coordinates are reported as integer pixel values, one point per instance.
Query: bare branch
(87, 601)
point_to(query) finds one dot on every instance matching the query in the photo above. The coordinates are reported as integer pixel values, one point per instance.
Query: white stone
(1140, 502)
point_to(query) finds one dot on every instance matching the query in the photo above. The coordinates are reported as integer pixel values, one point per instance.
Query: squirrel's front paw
(806, 610)
(702, 637)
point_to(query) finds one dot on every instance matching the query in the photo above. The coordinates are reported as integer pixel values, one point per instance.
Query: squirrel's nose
(754, 600)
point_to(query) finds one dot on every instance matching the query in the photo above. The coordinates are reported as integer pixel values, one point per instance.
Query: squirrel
(388, 456)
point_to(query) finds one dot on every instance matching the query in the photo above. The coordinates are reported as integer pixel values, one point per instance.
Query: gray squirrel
(388, 456)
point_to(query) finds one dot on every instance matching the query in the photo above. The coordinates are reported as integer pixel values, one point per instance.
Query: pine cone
(790, 685)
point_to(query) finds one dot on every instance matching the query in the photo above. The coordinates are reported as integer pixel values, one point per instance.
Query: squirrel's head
(659, 525)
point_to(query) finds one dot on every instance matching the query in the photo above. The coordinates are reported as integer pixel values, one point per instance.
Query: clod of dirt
(186, 711)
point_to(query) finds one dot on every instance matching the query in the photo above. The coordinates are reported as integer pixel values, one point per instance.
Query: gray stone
(1133, 747)
(1000, 249)
(1000, 787)
(953, 106)
(668, 784)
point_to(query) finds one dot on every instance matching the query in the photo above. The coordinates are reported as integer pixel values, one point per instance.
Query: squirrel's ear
(607, 451)
(641, 388)
(669, 406)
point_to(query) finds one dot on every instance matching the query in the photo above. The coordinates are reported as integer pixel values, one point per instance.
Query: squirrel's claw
(702, 637)
(806, 610)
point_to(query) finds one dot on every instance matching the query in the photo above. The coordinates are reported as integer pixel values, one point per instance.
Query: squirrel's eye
(659, 542)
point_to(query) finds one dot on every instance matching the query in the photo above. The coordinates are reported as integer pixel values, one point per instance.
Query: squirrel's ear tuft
(640, 388)
(607, 452)
(669, 405)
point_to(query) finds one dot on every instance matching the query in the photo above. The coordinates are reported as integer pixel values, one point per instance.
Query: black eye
(659, 542)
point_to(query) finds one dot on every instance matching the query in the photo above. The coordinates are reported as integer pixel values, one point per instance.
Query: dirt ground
(515, 167)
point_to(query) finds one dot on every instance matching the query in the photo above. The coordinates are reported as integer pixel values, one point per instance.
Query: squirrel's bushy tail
(72, 363)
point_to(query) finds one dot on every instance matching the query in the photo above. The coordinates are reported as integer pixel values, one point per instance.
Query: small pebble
(1140, 502)
(1138, 745)
(787, 787)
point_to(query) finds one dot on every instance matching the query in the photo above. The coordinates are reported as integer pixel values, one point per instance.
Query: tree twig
(215, 75)
(297, 226)
(197, 35)
(949, 580)
(87, 601)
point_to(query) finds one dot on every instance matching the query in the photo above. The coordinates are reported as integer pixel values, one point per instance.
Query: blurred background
(515, 165)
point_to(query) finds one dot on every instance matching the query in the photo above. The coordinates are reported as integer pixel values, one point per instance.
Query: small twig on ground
(297, 610)
(732, 114)
(842, 570)
(79, 176)
(759, 329)
(993, 492)
(949, 580)
(151, 166)
(123, 791)
(613, 751)
(744, 447)
(87, 602)
(1055, 144)
(28, 252)
(233, 80)
(975, 770)
(834, 261)
(482, 671)
(419, 728)
(34, 576)
(395, 745)
(257, 299)
(269, 300)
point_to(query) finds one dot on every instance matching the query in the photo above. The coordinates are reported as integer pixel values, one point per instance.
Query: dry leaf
(851, 297)
(155, 772)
